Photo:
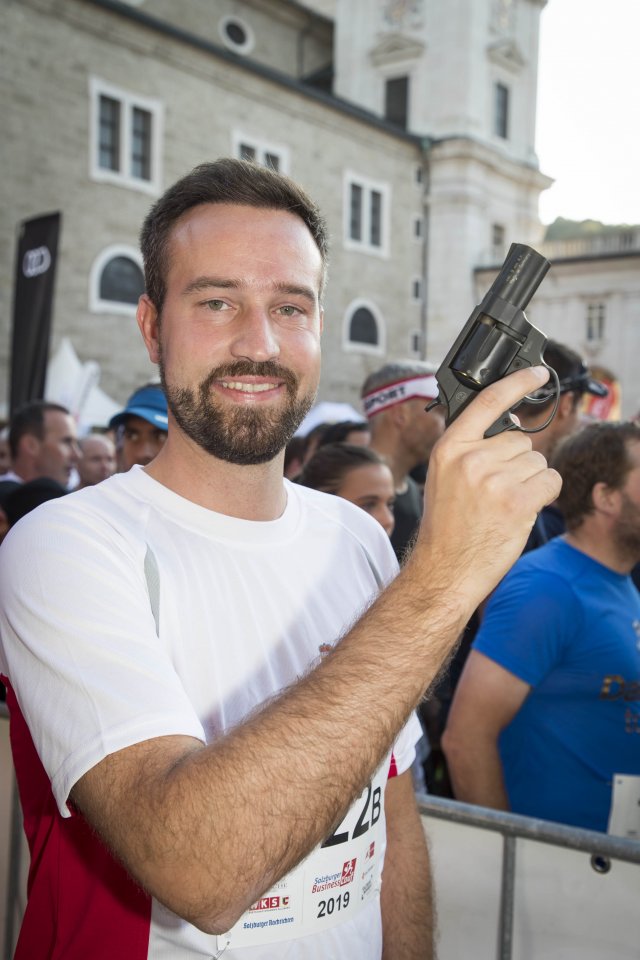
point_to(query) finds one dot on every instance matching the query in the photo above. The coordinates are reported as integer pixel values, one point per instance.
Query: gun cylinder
(485, 356)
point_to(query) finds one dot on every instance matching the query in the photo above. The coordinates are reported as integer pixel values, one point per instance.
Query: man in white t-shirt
(212, 712)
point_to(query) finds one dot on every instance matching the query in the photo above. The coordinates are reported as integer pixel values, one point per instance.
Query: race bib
(335, 881)
(624, 817)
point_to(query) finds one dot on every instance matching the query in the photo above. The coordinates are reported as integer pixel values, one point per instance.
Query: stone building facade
(412, 123)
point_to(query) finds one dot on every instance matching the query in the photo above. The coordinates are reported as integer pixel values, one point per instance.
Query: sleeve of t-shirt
(404, 749)
(78, 643)
(528, 623)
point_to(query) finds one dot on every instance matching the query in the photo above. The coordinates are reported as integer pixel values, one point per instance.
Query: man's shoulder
(348, 520)
(541, 581)
(553, 559)
(334, 509)
(108, 506)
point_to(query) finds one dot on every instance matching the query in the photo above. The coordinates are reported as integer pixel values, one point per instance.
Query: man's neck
(25, 471)
(596, 544)
(398, 464)
(254, 492)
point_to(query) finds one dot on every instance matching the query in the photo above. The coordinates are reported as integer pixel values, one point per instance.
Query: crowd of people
(226, 687)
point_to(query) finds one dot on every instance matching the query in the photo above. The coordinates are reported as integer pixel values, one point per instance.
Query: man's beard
(626, 533)
(238, 434)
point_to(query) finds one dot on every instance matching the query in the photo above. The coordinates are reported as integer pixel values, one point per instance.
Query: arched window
(121, 281)
(117, 281)
(364, 328)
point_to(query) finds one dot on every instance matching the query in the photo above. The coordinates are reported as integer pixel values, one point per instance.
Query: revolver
(496, 340)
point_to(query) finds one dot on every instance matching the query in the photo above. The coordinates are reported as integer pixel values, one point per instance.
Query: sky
(588, 122)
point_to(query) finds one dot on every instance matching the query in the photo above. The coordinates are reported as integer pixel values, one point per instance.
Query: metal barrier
(602, 849)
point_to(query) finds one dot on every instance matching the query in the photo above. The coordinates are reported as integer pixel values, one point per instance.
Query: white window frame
(352, 346)
(498, 244)
(242, 48)
(262, 148)
(596, 322)
(96, 303)
(367, 185)
(128, 101)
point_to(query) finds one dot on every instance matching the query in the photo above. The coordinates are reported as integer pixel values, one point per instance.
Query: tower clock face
(402, 13)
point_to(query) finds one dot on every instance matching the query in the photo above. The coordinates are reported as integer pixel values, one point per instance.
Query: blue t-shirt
(570, 628)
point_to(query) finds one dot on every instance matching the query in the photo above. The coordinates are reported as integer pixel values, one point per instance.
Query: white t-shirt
(130, 613)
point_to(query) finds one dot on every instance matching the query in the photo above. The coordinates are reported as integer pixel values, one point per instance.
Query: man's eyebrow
(231, 283)
(204, 283)
(298, 291)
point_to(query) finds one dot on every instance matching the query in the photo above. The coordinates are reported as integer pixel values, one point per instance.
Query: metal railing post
(507, 897)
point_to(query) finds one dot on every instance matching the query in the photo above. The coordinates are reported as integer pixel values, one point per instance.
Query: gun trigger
(434, 403)
(502, 423)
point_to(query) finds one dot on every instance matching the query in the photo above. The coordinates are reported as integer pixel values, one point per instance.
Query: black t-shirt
(407, 510)
(549, 524)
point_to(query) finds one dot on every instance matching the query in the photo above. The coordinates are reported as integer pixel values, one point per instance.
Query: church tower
(461, 75)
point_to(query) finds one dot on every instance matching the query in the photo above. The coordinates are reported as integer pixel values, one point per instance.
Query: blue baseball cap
(149, 403)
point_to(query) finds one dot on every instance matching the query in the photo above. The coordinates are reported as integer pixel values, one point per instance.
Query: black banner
(32, 307)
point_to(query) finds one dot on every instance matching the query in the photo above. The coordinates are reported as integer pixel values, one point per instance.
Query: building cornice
(463, 147)
(143, 19)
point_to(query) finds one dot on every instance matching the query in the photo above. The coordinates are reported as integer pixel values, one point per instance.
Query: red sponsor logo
(270, 903)
(371, 851)
(348, 872)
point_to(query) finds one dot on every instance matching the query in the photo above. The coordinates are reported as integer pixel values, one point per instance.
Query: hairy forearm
(263, 796)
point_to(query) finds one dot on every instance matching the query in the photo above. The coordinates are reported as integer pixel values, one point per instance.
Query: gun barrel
(522, 273)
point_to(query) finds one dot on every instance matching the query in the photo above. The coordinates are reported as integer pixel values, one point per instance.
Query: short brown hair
(29, 420)
(598, 453)
(223, 181)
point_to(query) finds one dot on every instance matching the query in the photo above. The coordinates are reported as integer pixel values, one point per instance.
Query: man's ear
(321, 320)
(148, 322)
(399, 414)
(606, 499)
(29, 444)
(566, 405)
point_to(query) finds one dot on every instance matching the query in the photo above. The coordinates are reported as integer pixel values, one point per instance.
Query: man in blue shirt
(547, 711)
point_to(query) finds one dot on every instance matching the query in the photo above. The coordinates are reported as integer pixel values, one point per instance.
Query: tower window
(501, 118)
(396, 101)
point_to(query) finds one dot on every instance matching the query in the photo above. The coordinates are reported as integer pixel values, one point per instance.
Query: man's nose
(148, 449)
(256, 339)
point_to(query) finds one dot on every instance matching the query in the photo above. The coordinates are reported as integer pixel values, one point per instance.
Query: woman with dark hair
(355, 432)
(355, 473)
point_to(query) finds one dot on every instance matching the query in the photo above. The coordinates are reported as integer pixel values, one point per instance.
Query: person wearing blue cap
(141, 428)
